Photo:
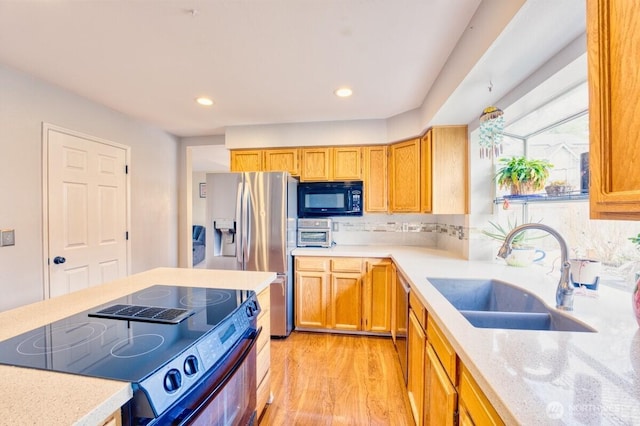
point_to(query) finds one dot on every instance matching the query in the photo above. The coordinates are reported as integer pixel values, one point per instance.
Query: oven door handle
(186, 414)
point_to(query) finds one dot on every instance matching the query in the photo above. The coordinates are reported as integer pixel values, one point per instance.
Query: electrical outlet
(7, 237)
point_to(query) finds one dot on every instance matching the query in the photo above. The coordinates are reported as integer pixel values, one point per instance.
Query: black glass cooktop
(120, 347)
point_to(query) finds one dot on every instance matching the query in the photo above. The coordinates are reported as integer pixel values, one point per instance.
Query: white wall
(353, 132)
(25, 103)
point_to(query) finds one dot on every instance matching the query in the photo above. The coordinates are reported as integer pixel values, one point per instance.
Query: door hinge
(126, 169)
(126, 236)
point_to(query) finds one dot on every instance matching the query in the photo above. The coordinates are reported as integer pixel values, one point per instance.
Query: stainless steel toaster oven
(314, 233)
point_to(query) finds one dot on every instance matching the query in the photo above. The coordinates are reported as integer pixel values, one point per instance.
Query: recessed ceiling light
(202, 100)
(343, 92)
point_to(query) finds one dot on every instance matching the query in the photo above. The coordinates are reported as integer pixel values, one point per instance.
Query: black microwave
(321, 199)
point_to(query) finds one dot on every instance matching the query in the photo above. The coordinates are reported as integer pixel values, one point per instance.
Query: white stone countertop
(532, 377)
(46, 398)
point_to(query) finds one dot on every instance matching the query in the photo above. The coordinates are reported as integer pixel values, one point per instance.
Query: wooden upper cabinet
(316, 164)
(249, 160)
(426, 175)
(445, 170)
(404, 176)
(614, 112)
(282, 160)
(346, 163)
(375, 178)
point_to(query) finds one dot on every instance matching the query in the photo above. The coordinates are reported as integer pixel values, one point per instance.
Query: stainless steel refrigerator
(251, 226)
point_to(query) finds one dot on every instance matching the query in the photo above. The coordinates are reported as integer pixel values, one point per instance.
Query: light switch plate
(7, 237)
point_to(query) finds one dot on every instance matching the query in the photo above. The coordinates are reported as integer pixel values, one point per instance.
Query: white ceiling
(262, 61)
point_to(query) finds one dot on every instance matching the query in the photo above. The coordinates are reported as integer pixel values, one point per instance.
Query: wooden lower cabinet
(477, 406)
(343, 293)
(416, 343)
(344, 302)
(377, 298)
(263, 357)
(311, 299)
(441, 390)
(440, 396)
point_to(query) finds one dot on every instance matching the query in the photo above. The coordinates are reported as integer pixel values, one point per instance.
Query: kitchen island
(41, 397)
(531, 377)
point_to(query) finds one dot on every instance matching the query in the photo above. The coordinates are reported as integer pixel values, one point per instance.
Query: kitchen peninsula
(43, 397)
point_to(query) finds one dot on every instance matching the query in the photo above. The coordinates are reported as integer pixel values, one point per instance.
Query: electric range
(164, 340)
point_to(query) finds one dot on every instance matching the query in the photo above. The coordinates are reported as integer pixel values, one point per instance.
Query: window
(559, 132)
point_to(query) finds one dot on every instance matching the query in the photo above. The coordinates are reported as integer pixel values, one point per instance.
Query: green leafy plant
(635, 240)
(522, 175)
(499, 232)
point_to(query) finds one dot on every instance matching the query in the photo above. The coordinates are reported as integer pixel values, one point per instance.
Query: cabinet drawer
(319, 264)
(476, 403)
(263, 362)
(418, 308)
(263, 393)
(264, 300)
(443, 349)
(265, 334)
(346, 264)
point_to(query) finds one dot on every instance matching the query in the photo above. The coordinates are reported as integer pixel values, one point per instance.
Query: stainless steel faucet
(564, 293)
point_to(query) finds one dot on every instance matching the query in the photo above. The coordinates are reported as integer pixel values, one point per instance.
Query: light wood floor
(334, 379)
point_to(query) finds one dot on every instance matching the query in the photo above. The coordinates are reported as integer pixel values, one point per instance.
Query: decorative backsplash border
(456, 231)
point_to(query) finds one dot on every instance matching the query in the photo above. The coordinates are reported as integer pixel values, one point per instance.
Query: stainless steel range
(188, 352)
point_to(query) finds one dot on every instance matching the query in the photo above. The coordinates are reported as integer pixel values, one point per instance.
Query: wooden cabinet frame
(614, 126)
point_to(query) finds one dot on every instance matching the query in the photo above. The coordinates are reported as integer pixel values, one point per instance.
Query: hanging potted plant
(522, 175)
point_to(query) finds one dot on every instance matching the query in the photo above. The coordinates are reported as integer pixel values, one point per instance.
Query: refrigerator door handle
(240, 225)
(246, 243)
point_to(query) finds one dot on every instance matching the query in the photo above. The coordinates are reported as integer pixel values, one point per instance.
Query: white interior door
(87, 211)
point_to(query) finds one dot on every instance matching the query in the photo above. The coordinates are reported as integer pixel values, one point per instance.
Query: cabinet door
(426, 183)
(316, 164)
(345, 301)
(416, 342)
(445, 170)
(441, 398)
(478, 407)
(375, 178)
(614, 111)
(394, 301)
(282, 160)
(377, 296)
(246, 160)
(463, 416)
(347, 163)
(404, 176)
(311, 299)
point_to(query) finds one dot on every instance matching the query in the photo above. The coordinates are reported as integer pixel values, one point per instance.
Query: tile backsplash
(401, 229)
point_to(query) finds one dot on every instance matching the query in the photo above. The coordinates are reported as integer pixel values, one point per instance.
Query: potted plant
(522, 253)
(522, 175)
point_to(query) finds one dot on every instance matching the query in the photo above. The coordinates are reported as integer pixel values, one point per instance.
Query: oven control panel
(164, 387)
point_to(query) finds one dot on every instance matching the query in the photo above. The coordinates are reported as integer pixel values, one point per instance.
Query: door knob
(59, 260)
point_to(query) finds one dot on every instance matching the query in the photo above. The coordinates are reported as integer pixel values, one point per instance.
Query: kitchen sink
(490, 303)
